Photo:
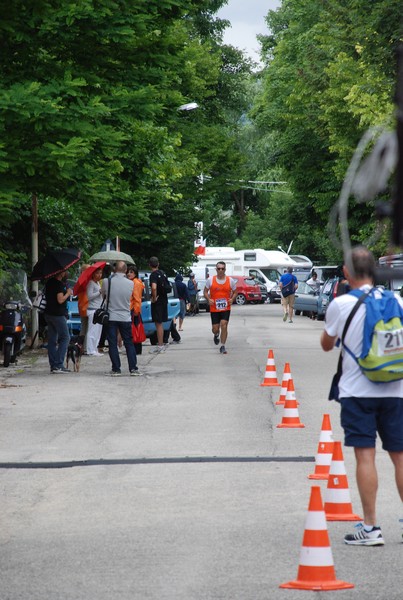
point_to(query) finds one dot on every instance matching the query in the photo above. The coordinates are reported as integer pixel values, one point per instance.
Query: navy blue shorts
(362, 418)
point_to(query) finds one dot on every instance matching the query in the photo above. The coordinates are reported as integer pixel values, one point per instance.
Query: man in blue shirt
(288, 285)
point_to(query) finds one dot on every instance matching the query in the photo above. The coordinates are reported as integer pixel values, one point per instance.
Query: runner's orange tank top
(220, 293)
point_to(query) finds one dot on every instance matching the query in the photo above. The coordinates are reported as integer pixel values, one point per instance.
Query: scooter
(13, 331)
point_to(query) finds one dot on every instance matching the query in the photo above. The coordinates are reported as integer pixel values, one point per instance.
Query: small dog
(75, 351)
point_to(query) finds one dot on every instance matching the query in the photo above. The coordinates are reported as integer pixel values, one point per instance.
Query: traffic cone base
(337, 504)
(316, 569)
(291, 415)
(270, 376)
(324, 453)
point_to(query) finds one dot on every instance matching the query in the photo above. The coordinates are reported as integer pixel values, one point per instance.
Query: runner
(220, 292)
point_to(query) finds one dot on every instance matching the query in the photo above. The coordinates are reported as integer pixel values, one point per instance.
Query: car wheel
(240, 300)
(7, 354)
(297, 312)
(320, 317)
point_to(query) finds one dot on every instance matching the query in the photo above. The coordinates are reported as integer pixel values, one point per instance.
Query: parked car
(306, 300)
(275, 294)
(325, 272)
(263, 291)
(248, 290)
(334, 286)
(173, 310)
(74, 319)
(201, 300)
(390, 273)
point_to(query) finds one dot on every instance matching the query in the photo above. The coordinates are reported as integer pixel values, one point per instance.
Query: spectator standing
(82, 301)
(94, 295)
(288, 285)
(184, 298)
(137, 296)
(120, 320)
(57, 294)
(314, 281)
(101, 344)
(159, 303)
(192, 290)
(367, 408)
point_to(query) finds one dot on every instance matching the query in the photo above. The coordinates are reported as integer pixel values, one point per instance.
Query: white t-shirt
(353, 382)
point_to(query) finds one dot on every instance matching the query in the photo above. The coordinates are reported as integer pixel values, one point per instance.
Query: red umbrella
(85, 276)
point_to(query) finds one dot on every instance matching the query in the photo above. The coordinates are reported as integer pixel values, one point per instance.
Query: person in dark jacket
(184, 298)
(57, 294)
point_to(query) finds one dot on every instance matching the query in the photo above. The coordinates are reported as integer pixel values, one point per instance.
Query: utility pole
(34, 253)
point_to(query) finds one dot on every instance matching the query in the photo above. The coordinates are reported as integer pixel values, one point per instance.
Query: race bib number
(390, 342)
(221, 304)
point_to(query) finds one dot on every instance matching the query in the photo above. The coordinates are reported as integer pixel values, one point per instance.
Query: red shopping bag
(138, 333)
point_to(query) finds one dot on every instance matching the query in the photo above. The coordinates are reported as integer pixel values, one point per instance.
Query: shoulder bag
(101, 315)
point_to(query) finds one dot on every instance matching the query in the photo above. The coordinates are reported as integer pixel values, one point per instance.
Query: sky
(247, 20)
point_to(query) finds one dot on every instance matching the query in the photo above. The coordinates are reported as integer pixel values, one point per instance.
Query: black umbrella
(54, 262)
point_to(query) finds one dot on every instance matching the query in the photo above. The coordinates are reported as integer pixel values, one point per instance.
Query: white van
(266, 266)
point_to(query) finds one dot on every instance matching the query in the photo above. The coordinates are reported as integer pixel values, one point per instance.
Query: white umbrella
(111, 256)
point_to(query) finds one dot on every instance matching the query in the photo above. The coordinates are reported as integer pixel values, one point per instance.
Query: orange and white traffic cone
(324, 454)
(270, 377)
(338, 505)
(284, 384)
(316, 567)
(291, 415)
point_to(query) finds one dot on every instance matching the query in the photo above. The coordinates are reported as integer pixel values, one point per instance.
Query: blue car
(173, 310)
(74, 320)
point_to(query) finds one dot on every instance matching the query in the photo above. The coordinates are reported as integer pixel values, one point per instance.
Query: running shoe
(135, 373)
(285, 317)
(216, 339)
(115, 373)
(157, 349)
(223, 350)
(62, 370)
(365, 538)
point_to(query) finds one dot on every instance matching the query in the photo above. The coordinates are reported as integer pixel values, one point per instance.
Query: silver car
(306, 300)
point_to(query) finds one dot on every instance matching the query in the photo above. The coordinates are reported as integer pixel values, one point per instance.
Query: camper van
(266, 266)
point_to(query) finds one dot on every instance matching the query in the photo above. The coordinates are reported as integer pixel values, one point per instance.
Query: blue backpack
(381, 359)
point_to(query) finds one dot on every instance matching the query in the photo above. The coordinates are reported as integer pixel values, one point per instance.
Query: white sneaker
(157, 350)
(364, 537)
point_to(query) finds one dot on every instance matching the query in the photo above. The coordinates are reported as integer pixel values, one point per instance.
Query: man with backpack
(159, 301)
(370, 385)
(288, 284)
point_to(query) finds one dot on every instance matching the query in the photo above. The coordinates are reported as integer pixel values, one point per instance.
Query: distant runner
(220, 292)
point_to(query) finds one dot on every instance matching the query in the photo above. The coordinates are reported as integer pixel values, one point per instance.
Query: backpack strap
(350, 317)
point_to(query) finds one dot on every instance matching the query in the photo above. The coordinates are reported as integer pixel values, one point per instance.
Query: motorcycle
(13, 332)
(14, 301)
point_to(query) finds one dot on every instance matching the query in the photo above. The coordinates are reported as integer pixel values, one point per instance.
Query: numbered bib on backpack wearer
(390, 342)
(221, 304)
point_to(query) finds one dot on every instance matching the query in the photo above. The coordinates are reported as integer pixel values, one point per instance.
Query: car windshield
(271, 274)
(304, 288)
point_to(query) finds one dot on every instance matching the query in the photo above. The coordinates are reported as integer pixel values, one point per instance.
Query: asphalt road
(177, 485)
